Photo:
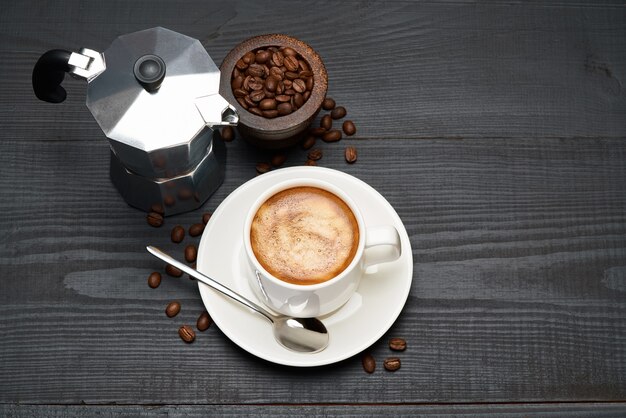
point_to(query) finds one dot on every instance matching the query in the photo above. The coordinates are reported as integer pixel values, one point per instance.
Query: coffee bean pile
(272, 82)
(390, 363)
(190, 253)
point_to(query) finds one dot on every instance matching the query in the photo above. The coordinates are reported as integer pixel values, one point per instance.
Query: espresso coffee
(304, 235)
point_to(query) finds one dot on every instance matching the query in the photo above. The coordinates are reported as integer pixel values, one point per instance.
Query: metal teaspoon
(305, 335)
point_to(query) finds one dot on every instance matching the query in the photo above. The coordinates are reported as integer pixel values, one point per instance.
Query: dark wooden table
(498, 132)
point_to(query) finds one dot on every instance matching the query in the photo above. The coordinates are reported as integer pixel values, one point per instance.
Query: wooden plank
(403, 69)
(518, 292)
(585, 410)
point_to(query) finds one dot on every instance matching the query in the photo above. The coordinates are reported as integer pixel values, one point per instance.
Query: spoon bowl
(303, 335)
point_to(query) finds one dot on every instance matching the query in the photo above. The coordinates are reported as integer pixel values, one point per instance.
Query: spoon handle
(209, 282)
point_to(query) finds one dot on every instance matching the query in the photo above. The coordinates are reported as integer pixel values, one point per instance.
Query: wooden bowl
(282, 131)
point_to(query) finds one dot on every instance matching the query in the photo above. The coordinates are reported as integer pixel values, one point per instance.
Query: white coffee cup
(319, 299)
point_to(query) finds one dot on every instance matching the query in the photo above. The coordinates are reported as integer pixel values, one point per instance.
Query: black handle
(48, 74)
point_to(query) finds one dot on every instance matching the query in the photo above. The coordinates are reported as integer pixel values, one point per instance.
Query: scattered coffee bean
(155, 219)
(338, 112)
(228, 133)
(204, 321)
(184, 194)
(315, 154)
(278, 159)
(267, 76)
(154, 279)
(263, 168)
(326, 122)
(172, 309)
(397, 344)
(196, 229)
(328, 104)
(349, 128)
(369, 363)
(187, 334)
(392, 364)
(350, 155)
(318, 132)
(333, 135)
(205, 217)
(310, 162)
(309, 141)
(158, 208)
(173, 271)
(178, 234)
(191, 252)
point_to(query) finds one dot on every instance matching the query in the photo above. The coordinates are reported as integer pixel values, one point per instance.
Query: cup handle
(387, 242)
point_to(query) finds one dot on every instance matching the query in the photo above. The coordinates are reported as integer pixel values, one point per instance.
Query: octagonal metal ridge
(127, 113)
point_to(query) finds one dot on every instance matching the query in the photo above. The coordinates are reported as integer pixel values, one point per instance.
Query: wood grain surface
(496, 130)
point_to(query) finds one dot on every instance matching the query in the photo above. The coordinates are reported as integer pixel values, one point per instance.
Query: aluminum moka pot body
(155, 95)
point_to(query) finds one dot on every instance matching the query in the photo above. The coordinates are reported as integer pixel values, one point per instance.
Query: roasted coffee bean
(187, 334)
(263, 168)
(256, 84)
(277, 58)
(315, 154)
(326, 122)
(304, 65)
(299, 85)
(282, 98)
(191, 252)
(155, 219)
(291, 76)
(278, 159)
(178, 234)
(241, 65)
(267, 104)
(349, 128)
(269, 94)
(284, 109)
(246, 82)
(154, 279)
(262, 56)
(242, 103)
(255, 70)
(277, 73)
(172, 309)
(206, 216)
(392, 364)
(318, 132)
(256, 111)
(204, 321)
(236, 83)
(288, 51)
(308, 82)
(290, 92)
(173, 271)
(338, 112)
(397, 344)
(228, 133)
(291, 63)
(158, 208)
(304, 74)
(271, 83)
(270, 114)
(249, 101)
(350, 154)
(240, 93)
(328, 104)
(248, 57)
(308, 142)
(333, 135)
(369, 363)
(196, 229)
(306, 95)
(310, 162)
(256, 96)
(298, 100)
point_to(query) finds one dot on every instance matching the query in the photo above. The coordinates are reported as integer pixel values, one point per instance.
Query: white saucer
(358, 324)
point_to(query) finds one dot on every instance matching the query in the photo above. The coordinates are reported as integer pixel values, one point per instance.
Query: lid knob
(150, 71)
